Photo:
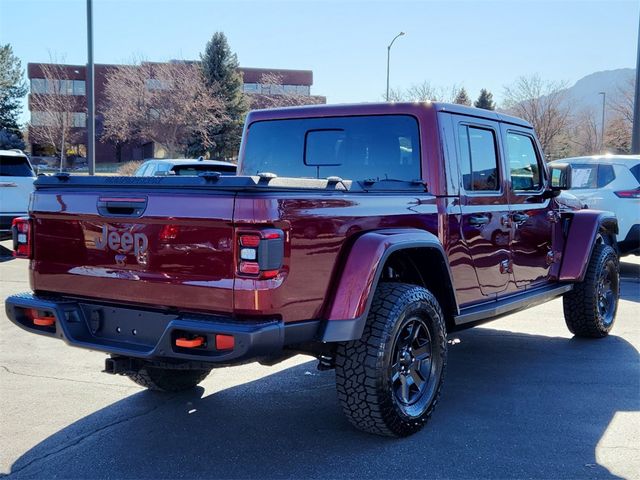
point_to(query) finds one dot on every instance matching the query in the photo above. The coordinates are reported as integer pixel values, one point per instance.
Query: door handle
(8, 184)
(519, 217)
(477, 220)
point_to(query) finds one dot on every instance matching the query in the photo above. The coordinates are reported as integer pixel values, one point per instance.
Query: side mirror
(560, 176)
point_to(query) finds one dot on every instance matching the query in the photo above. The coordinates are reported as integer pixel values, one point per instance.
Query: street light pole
(388, 57)
(91, 113)
(604, 98)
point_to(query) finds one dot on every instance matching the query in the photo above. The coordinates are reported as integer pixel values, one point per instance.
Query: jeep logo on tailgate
(122, 242)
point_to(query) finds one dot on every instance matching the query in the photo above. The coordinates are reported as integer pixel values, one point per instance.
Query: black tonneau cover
(211, 180)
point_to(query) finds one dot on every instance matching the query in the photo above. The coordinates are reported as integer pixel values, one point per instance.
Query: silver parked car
(152, 168)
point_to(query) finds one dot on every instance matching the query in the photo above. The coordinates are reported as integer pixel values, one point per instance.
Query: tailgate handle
(121, 206)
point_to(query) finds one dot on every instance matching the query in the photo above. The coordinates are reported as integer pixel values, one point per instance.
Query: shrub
(129, 168)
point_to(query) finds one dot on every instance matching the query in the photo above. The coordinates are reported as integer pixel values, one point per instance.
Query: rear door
(16, 184)
(484, 202)
(531, 216)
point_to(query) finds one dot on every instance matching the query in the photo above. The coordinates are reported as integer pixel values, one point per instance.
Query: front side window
(524, 166)
(584, 176)
(478, 159)
(353, 148)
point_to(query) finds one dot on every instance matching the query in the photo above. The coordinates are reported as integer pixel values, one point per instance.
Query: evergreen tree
(220, 68)
(485, 100)
(12, 89)
(462, 98)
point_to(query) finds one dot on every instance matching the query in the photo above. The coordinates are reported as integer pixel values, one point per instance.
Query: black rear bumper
(151, 335)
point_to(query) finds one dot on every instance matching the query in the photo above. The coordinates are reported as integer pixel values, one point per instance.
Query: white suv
(611, 182)
(16, 184)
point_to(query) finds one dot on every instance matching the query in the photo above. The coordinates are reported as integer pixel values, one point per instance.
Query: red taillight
(249, 268)
(628, 193)
(249, 240)
(22, 232)
(169, 232)
(260, 253)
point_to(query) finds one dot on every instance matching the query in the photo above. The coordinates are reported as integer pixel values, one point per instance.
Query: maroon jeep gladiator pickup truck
(359, 234)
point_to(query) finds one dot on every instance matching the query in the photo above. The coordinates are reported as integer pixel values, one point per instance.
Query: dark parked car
(358, 234)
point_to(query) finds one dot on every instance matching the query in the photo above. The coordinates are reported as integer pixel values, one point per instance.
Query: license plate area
(125, 325)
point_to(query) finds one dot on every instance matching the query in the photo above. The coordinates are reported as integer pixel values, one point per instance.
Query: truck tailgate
(149, 248)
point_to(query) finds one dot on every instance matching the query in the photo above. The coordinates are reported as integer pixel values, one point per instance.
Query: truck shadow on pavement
(514, 405)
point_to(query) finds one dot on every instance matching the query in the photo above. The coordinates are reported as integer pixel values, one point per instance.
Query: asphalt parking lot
(523, 399)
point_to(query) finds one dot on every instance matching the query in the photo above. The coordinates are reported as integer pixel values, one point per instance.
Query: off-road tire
(168, 380)
(582, 311)
(364, 375)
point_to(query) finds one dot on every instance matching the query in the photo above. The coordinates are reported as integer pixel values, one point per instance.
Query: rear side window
(524, 166)
(353, 148)
(586, 176)
(635, 170)
(478, 159)
(11, 166)
(606, 175)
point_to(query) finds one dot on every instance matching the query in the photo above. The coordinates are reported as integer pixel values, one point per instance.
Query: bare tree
(585, 137)
(424, 92)
(274, 94)
(54, 109)
(622, 100)
(617, 137)
(541, 103)
(165, 103)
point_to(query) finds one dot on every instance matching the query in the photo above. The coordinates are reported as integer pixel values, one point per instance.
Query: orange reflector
(190, 343)
(270, 273)
(44, 321)
(225, 342)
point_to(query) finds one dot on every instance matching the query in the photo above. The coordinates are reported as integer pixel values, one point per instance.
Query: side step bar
(502, 307)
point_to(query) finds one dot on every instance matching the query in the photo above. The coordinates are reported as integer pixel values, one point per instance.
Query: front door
(484, 203)
(531, 216)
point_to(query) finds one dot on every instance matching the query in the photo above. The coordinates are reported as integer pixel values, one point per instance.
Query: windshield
(11, 166)
(353, 148)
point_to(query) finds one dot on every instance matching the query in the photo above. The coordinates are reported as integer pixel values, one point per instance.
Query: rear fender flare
(357, 283)
(585, 226)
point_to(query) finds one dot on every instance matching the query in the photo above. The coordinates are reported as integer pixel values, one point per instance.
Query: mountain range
(585, 93)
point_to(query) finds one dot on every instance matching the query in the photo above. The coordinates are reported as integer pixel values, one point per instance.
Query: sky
(475, 44)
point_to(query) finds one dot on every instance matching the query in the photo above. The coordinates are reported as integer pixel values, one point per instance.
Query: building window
(42, 119)
(79, 120)
(38, 85)
(58, 87)
(250, 88)
(157, 84)
(79, 87)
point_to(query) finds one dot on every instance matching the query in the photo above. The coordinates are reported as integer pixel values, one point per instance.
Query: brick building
(296, 82)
